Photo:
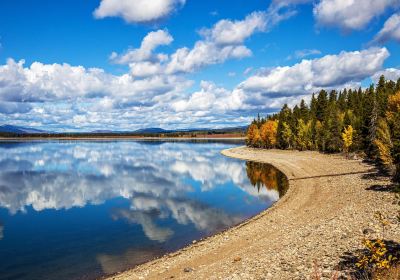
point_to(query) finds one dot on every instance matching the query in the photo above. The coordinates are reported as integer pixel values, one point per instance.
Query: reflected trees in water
(263, 175)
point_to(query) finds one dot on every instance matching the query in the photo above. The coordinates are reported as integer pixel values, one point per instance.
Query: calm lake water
(82, 210)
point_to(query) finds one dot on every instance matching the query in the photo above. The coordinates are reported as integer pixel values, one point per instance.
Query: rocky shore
(322, 219)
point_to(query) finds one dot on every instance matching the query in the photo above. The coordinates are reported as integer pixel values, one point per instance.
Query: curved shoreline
(319, 218)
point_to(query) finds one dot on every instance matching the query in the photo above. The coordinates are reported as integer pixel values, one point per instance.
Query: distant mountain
(151, 130)
(19, 129)
(222, 129)
(160, 130)
(148, 130)
(103, 131)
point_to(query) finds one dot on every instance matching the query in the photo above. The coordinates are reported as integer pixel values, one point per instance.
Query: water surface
(83, 210)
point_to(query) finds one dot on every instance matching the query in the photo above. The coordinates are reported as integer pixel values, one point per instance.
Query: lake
(87, 209)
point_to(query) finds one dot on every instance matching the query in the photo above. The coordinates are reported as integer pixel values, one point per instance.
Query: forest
(362, 121)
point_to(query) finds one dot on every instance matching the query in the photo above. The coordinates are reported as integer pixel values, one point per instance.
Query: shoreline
(21, 139)
(320, 218)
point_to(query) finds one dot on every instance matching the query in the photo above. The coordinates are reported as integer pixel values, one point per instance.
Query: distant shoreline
(116, 138)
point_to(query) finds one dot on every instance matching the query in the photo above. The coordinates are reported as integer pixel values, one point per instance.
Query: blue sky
(79, 65)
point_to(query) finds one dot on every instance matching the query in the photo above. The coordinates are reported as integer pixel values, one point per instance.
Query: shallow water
(82, 210)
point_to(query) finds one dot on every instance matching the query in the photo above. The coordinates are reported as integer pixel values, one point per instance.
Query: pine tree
(322, 104)
(313, 107)
(358, 120)
(319, 143)
(333, 141)
(304, 111)
(382, 93)
(397, 88)
(285, 117)
(342, 100)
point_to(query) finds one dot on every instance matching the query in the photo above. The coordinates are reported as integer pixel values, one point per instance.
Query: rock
(368, 231)
(326, 273)
(353, 157)
(187, 269)
(237, 259)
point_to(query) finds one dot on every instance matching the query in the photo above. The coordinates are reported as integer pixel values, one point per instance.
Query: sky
(73, 65)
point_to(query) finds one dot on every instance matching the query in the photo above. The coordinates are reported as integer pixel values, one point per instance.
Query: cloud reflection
(174, 192)
(155, 177)
(62, 176)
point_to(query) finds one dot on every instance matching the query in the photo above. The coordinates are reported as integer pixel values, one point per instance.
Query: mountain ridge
(6, 128)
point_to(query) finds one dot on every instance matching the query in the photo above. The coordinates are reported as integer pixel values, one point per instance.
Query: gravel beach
(328, 208)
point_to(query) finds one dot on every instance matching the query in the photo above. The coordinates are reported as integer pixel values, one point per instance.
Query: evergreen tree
(358, 120)
(285, 117)
(382, 93)
(313, 107)
(332, 137)
(342, 100)
(304, 111)
(397, 88)
(322, 104)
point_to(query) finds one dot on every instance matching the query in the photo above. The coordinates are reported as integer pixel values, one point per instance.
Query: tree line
(351, 120)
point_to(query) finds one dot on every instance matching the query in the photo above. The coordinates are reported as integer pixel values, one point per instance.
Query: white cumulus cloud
(203, 54)
(227, 32)
(310, 75)
(350, 14)
(221, 42)
(390, 30)
(389, 73)
(149, 43)
(137, 11)
(51, 82)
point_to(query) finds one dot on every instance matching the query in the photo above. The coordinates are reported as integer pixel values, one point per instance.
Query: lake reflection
(81, 210)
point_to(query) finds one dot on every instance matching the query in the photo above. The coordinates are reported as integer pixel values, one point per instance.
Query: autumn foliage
(262, 175)
(347, 137)
(351, 120)
(269, 131)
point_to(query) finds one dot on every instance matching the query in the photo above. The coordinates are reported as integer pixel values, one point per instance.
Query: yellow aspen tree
(393, 120)
(257, 140)
(347, 137)
(269, 132)
(287, 134)
(384, 145)
(250, 134)
(303, 137)
(253, 136)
